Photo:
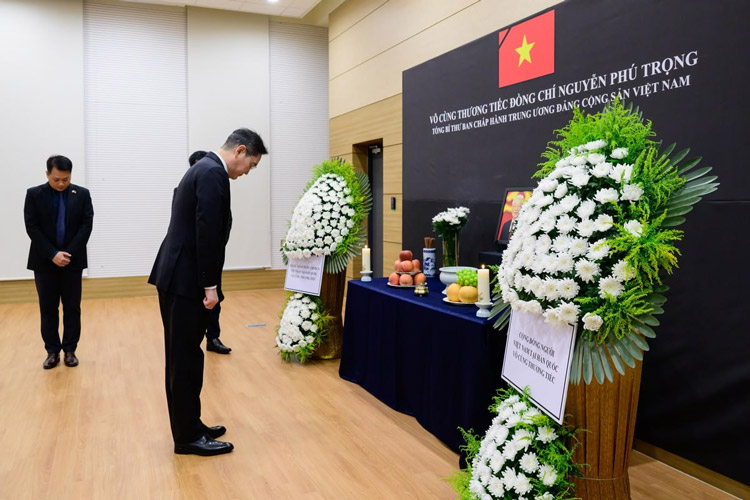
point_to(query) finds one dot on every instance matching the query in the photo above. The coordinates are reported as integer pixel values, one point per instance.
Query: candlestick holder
(484, 309)
(366, 275)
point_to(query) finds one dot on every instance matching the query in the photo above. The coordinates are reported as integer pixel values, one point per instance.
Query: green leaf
(649, 320)
(657, 299)
(645, 330)
(673, 221)
(668, 149)
(605, 362)
(615, 356)
(661, 289)
(624, 353)
(688, 164)
(596, 362)
(575, 364)
(587, 364)
(657, 310)
(639, 341)
(632, 348)
(697, 173)
(700, 190)
(679, 211)
(678, 156)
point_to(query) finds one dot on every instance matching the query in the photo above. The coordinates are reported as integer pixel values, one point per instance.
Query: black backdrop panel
(695, 398)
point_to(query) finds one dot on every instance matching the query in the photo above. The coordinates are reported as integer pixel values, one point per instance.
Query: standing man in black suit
(187, 275)
(213, 330)
(59, 217)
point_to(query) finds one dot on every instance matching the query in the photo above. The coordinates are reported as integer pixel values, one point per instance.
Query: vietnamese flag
(527, 50)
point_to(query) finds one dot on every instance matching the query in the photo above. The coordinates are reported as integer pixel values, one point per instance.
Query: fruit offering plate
(446, 299)
(401, 286)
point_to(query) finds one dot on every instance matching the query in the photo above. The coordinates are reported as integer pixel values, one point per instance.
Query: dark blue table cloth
(422, 357)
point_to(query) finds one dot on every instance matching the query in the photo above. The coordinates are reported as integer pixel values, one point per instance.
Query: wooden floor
(100, 431)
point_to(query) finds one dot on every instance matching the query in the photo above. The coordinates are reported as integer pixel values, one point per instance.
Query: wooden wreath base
(332, 296)
(607, 412)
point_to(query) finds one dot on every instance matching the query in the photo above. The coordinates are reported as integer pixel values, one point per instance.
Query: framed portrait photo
(513, 200)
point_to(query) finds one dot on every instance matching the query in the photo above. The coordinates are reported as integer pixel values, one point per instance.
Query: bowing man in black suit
(187, 275)
(59, 217)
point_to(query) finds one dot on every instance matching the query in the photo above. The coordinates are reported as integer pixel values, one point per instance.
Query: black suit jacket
(192, 254)
(41, 226)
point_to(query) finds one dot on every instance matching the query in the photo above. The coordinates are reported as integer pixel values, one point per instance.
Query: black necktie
(60, 227)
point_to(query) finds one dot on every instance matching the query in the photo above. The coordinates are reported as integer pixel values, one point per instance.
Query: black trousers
(185, 320)
(213, 330)
(52, 287)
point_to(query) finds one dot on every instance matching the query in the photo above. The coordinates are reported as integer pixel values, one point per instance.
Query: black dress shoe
(51, 361)
(203, 446)
(215, 431)
(71, 359)
(215, 345)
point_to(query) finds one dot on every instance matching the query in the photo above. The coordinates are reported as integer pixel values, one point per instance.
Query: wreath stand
(332, 295)
(608, 413)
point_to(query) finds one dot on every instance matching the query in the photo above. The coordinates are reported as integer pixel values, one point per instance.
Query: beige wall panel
(390, 254)
(392, 218)
(380, 120)
(392, 167)
(380, 77)
(349, 14)
(377, 32)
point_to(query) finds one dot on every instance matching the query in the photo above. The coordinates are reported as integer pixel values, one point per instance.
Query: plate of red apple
(406, 271)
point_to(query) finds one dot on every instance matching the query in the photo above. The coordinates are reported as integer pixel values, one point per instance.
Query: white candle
(365, 259)
(483, 284)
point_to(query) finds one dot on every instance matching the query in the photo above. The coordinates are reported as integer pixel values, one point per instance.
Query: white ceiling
(285, 8)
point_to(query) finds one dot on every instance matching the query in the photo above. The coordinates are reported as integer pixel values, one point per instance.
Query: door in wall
(375, 219)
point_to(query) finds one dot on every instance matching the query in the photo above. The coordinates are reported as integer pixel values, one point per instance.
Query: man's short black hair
(59, 162)
(197, 155)
(249, 139)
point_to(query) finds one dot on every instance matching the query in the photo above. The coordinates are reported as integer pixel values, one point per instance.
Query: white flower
(601, 170)
(586, 209)
(585, 228)
(593, 145)
(529, 462)
(495, 487)
(496, 461)
(546, 434)
(598, 250)
(603, 222)
(547, 185)
(631, 192)
(569, 202)
(623, 271)
(547, 475)
(565, 224)
(609, 286)
(546, 496)
(621, 173)
(475, 487)
(577, 161)
(568, 312)
(596, 158)
(605, 195)
(634, 227)
(586, 270)
(509, 478)
(592, 322)
(562, 190)
(522, 484)
(619, 153)
(568, 288)
(580, 179)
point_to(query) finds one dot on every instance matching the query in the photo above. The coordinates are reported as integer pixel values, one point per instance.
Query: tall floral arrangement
(447, 224)
(329, 218)
(523, 455)
(596, 237)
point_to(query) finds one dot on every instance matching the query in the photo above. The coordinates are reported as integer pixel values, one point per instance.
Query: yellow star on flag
(524, 51)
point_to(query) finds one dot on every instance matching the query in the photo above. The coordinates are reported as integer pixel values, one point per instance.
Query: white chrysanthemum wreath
(523, 455)
(303, 325)
(595, 239)
(329, 219)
